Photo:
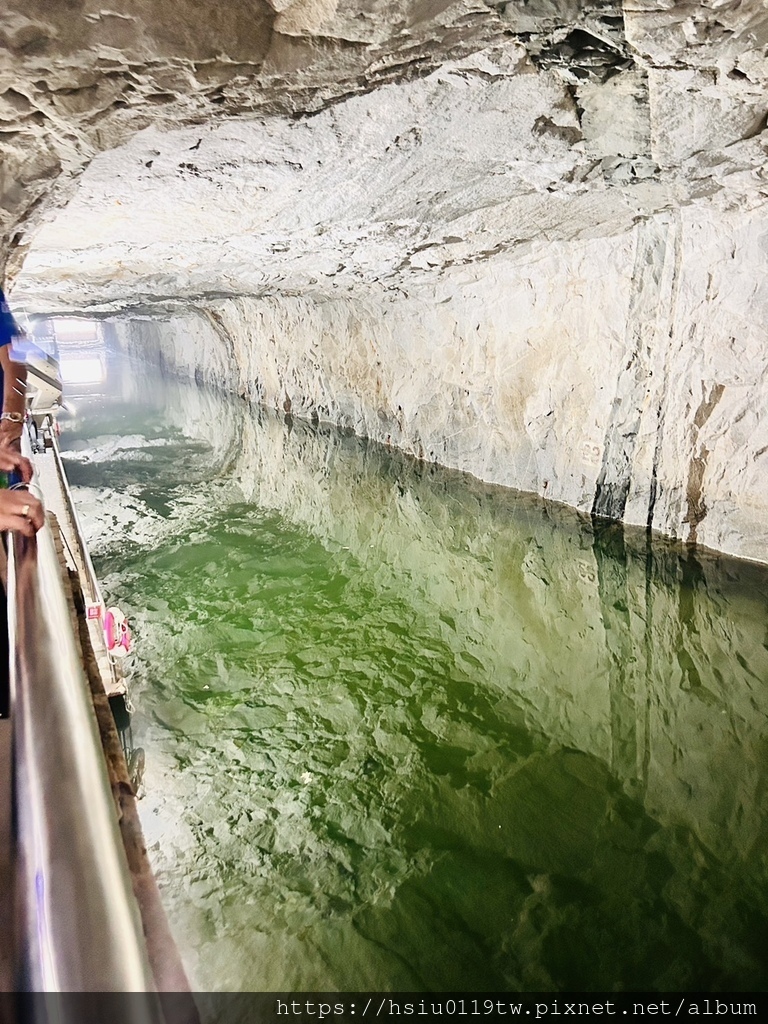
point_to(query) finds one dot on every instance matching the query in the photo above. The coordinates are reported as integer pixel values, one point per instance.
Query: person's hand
(11, 460)
(21, 511)
(10, 434)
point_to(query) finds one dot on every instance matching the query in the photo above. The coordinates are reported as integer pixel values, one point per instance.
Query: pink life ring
(116, 633)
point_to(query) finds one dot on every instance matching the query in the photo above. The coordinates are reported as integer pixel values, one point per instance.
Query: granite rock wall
(614, 375)
(525, 240)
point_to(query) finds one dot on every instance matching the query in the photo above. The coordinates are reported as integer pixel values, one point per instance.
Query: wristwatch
(14, 417)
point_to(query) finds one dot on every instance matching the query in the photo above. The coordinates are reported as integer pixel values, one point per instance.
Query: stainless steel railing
(89, 580)
(91, 583)
(80, 928)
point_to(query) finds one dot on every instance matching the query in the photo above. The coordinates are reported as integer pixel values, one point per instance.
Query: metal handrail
(93, 588)
(90, 583)
(80, 929)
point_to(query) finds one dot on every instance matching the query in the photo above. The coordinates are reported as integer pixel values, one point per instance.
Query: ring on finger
(25, 510)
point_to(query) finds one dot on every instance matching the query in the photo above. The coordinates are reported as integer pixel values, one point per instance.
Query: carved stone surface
(525, 239)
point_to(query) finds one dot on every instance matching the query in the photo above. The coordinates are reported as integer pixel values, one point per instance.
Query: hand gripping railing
(80, 928)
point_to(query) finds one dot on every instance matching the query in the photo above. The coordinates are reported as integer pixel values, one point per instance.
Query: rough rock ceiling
(323, 146)
(524, 239)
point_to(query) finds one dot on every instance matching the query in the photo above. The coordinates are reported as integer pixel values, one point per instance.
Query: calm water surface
(405, 731)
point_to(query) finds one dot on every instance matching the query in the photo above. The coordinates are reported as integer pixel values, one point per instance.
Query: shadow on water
(407, 731)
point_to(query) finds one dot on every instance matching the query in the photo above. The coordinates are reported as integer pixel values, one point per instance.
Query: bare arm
(14, 394)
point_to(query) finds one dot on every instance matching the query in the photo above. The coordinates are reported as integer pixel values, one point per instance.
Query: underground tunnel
(428, 456)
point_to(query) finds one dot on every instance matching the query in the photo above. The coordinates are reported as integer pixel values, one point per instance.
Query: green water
(405, 731)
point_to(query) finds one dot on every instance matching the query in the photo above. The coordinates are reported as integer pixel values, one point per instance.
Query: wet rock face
(524, 239)
(76, 79)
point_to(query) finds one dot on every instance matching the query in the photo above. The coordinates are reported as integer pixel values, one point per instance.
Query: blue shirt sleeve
(8, 326)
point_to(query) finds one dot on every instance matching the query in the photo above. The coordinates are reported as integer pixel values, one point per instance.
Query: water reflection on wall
(651, 657)
(623, 843)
